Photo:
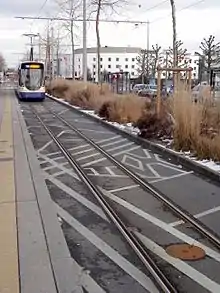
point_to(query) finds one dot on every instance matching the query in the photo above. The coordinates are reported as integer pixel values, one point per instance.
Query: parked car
(149, 91)
(138, 87)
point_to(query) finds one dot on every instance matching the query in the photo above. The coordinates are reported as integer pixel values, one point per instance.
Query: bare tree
(71, 9)
(181, 53)
(106, 6)
(2, 63)
(141, 64)
(155, 59)
(210, 53)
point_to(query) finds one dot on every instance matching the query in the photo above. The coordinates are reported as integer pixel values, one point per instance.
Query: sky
(195, 20)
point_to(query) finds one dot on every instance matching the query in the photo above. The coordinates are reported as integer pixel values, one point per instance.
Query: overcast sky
(195, 20)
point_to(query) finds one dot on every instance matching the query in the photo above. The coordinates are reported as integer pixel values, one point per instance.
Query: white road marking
(123, 188)
(147, 155)
(114, 155)
(200, 215)
(110, 171)
(111, 253)
(82, 152)
(171, 177)
(109, 150)
(156, 174)
(108, 139)
(125, 161)
(80, 198)
(79, 147)
(63, 111)
(120, 146)
(165, 226)
(45, 146)
(114, 142)
(97, 131)
(167, 166)
(94, 172)
(182, 266)
(59, 166)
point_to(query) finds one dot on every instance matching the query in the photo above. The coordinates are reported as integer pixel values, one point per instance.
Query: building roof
(108, 49)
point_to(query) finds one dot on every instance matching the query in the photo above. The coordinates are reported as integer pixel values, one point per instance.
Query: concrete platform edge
(167, 153)
(62, 265)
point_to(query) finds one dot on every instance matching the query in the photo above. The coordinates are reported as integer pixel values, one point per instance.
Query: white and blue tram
(31, 82)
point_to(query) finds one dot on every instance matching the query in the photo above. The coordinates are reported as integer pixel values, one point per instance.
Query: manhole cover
(185, 251)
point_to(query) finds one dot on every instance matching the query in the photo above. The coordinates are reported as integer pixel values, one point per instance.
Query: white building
(113, 59)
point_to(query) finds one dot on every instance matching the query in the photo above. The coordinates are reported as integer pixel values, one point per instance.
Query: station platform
(34, 257)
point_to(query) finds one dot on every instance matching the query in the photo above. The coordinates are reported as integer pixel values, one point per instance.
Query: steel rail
(178, 210)
(160, 279)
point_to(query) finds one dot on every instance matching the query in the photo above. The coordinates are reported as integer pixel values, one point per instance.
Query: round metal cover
(185, 251)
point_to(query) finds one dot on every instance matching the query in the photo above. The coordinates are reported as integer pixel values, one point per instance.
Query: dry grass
(196, 128)
(118, 108)
(197, 125)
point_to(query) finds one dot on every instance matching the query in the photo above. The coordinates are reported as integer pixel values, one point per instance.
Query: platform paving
(34, 257)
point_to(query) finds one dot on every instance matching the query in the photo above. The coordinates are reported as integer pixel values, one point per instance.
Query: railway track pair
(160, 279)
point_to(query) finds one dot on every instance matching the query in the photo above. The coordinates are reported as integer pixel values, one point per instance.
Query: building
(113, 59)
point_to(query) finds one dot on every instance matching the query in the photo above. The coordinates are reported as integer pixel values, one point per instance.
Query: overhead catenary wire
(179, 10)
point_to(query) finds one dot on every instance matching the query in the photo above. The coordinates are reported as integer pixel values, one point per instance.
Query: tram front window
(32, 78)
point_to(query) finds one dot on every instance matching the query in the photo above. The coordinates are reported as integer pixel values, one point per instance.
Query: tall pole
(84, 43)
(39, 47)
(52, 51)
(148, 48)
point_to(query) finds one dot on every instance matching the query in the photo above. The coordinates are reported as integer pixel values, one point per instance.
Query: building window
(101, 59)
(194, 74)
(100, 66)
(132, 73)
(79, 59)
(132, 66)
(75, 73)
(94, 66)
(109, 59)
(94, 59)
(126, 59)
(117, 59)
(109, 66)
(126, 66)
(79, 66)
(194, 68)
(133, 59)
(117, 66)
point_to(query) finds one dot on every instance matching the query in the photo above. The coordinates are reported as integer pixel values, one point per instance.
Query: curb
(165, 152)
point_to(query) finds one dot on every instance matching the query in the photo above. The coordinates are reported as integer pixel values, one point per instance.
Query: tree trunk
(98, 40)
(175, 61)
(73, 49)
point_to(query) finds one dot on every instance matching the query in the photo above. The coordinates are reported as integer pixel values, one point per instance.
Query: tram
(31, 82)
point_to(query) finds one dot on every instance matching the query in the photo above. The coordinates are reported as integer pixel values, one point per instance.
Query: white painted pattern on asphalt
(97, 131)
(152, 181)
(114, 142)
(200, 215)
(108, 139)
(111, 253)
(164, 226)
(182, 266)
(150, 218)
(114, 155)
(80, 198)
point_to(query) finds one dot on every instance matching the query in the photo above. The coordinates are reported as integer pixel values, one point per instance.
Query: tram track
(180, 212)
(157, 274)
